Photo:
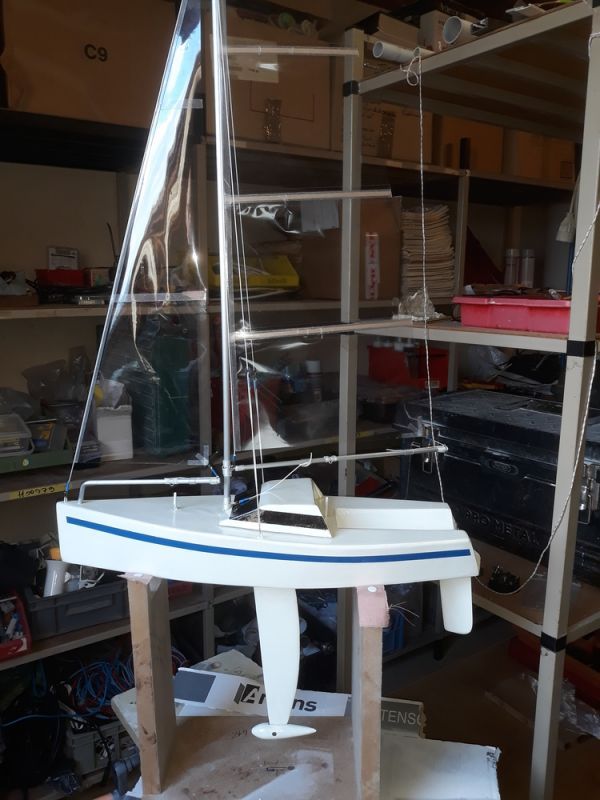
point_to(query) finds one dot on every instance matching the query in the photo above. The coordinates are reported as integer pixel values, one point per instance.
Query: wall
(42, 206)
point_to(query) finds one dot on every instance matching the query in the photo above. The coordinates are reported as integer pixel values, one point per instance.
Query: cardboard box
(530, 155)
(393, 30)
(484, 144)
(282, 99)
(431, 26)
(388, 130)
(559, 160)
(91, 60)
(323, 9)
(523, 154)
(321, 255)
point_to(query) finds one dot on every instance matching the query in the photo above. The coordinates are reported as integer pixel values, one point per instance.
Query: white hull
(367, 542)
(188, 543)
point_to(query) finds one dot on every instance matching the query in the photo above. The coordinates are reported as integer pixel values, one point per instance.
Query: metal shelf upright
(477, 80)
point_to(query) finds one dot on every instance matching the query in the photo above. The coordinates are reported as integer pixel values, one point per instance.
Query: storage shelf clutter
(506, 126)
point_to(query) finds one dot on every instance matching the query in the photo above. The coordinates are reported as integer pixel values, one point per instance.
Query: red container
(438, 366)
(517, 313)
(16, 647)
(60, 277)
(389, 366)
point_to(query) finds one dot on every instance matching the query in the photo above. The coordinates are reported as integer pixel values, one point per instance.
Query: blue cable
(44, 716)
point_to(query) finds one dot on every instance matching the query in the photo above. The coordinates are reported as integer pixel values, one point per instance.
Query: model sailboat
(286, 535)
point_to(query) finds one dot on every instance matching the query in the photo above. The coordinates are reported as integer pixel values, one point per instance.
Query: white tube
(267, 50)
(401, 55)
(288, 197)
(333, 459)
(175, 481)
(457, 30)
(249, 335)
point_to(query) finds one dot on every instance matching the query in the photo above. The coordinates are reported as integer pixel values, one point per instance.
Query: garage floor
(453, 691)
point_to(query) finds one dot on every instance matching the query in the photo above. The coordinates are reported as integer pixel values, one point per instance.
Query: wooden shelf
(529, 75)
(60, 142)
(179, 607)
(526, 609)
(60, 311)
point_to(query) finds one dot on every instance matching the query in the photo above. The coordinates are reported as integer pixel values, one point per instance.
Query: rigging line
(252, 396)
(245, 500)
(419, 83)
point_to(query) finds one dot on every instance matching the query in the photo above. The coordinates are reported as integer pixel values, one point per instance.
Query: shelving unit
(200, 600)
(531, 76)
(527, 610)
(456, 82)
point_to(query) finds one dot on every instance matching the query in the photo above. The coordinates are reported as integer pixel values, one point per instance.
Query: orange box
(91, 60)
(485, 144)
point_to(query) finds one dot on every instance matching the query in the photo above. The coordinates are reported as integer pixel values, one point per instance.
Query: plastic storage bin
(15, 436)
(517, 313)
(20, 644)
(87, 750)
(113, 430)
(51, 616)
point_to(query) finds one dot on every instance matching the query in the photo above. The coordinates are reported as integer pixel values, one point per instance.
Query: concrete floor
(453, 691)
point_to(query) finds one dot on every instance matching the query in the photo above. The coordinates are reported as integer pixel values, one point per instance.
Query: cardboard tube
(393, 52)
(457, 30)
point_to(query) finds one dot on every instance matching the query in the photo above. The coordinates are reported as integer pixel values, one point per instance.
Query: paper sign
(242, 696)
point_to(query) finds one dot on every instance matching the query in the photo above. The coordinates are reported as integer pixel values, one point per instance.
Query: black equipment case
(500, 469)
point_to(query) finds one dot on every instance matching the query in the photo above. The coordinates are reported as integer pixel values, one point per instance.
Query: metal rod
(213, 481)
(221, 109)
(333, 459)
(288, 197)
(259, 49)
(247, 334)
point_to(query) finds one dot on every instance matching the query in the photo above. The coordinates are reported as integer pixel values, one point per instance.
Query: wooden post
(151, 644)
(370, 615)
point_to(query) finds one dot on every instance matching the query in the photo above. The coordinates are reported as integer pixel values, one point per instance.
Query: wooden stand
(221, 750)
(151, 645)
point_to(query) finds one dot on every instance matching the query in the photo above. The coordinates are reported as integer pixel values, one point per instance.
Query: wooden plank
(151, 645)
(370, 608)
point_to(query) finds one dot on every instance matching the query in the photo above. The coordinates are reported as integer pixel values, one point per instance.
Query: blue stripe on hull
(227, 551)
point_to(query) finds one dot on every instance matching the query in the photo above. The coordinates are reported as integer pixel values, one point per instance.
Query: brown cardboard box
(293, 96)
(559, 160)
(392, 30)
(523, 154)
(90, 60)
(307, 8)
(388, 130)
(485, 144)
(431, 27)
(529, 155)
(321, 256)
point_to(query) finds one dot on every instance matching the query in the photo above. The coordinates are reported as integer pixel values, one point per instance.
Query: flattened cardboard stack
(439, 252)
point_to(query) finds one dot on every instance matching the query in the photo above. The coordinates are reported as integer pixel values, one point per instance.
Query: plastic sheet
(156, 334)
(517, 696)
(269, 234)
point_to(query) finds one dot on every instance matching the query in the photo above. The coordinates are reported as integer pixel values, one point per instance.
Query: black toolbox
(500, 469)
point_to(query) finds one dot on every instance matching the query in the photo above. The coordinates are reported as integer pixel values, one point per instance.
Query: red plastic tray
(60, 277)
(517, 313)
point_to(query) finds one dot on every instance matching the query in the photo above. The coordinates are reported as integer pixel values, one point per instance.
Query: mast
(221, 109)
